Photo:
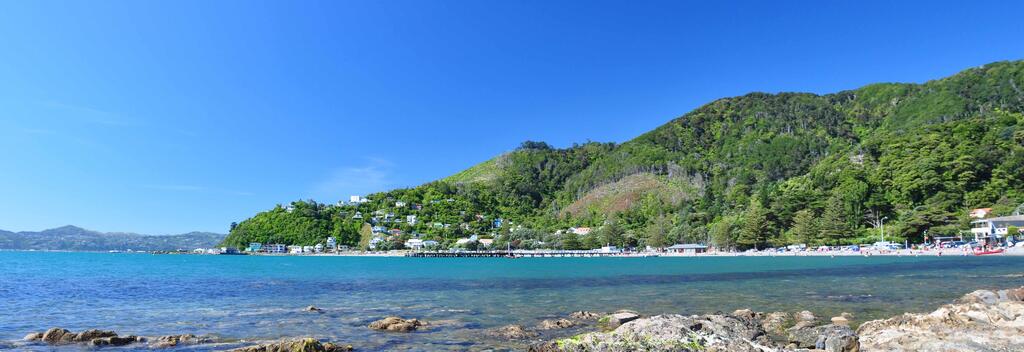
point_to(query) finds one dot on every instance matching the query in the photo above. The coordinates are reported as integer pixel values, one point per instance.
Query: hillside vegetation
(750, 171)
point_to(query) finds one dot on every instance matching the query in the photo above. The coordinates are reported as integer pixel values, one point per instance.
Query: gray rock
(775, 323)
(804, 319)
(397, 324)
(980, 321)
(313, 309)
(179, 340)
(114, 340)
(512, 332)
(614, 320)
(55, 336)
(554, 324)
(832, 338)
(669, 333)
(585, 315)
(301, 345)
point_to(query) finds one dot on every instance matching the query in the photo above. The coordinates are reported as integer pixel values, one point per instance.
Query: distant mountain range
(72, 238)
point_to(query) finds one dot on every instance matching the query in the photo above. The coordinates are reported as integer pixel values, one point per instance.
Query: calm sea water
(246, 297)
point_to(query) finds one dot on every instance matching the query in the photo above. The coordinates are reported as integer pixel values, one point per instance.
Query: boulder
(397, 324)
(58, 336)
(775, 323)
(840, 320)
(554, 324)
(585, 315)
(54, 335)
(179, 340)
(744, 313)
(512, 332)
(979, 321)
(33, 336)
(670, 333)
(804, 319)
(614, 320)
(302, 345)
(832, 338)
(115, 340)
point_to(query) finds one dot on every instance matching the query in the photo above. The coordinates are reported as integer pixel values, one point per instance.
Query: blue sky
(172, 116)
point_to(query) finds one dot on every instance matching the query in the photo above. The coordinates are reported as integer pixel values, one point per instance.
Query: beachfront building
(415, 244)
(688, 248)
(609, 249)
(486, 242)
(375, 241)
(319, 247)
(995, 229)
(276, 248)
(332, 244)
(255, 247)
(295, 249)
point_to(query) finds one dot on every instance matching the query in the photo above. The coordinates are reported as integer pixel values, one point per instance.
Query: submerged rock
(179, 340)
(397, 324)
(59, 336)
(313, 309)
(116, 340)
(554, 324)
(512, 332)
(585, 315)
(302, 345)
(980, 321)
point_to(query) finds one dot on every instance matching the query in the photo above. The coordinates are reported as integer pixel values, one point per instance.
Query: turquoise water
(247, 297)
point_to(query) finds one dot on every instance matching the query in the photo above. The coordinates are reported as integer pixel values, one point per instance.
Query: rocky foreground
(979, 321)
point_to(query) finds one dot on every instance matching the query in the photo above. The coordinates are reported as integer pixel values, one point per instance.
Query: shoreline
(981, 320)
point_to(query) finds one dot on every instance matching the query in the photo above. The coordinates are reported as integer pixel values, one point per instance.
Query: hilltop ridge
(740, 172)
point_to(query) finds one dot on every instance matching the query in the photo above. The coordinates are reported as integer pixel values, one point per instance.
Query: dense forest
(752, 171)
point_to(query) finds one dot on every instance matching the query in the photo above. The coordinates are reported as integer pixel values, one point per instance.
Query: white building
(995, 228)
(580, 230)
(414, 243)
(357, 199)
(374, 241)
(318, 248)
(275, 248)
(332, 244)
(399, 204)
(411, 219)
(295, 249)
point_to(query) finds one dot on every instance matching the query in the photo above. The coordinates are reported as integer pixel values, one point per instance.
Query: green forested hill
(755, 170)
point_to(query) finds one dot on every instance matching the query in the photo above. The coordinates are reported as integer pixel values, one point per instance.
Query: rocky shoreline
(982, 320)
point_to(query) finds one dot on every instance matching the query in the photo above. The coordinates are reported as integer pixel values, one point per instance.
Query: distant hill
(72, 238)
(740, 172)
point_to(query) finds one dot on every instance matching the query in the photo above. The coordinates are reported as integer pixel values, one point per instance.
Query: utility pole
(882, 227)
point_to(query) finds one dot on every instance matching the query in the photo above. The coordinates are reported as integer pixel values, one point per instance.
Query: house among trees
(980, 213)
(993, 229)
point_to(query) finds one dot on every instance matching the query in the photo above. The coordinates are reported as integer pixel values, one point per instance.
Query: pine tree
(755, 225)
(805, 228)
(834, 225)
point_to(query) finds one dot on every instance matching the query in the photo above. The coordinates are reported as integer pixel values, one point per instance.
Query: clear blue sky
(172, 116)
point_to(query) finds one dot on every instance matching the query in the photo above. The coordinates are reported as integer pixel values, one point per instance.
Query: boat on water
(993, 251)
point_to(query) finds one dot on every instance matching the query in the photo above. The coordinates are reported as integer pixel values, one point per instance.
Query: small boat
(993, 251)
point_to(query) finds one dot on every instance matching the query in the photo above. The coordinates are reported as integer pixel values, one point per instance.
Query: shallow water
(253, 298)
